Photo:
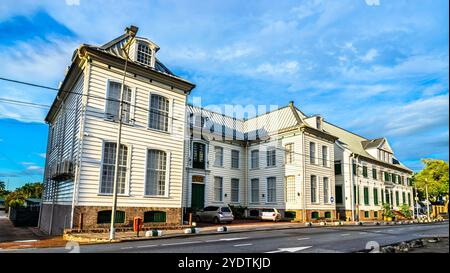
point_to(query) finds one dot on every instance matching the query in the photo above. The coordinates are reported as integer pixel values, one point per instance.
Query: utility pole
(131, 32)
(428, 201)
(417, 203)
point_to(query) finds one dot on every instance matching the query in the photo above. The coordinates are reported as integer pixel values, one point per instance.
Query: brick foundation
(85, 217)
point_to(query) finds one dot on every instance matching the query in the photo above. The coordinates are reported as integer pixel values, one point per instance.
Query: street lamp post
(131, 32)
(428, 201)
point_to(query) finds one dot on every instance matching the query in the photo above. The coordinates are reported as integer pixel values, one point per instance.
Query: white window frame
(312, 158)
(271, 158)
(252, 201)
(128, 172)
(238, 159)
(326, 191)
(326, 161)
(216, 158)
(274, 188)
(290, 193)
(256, 159)
(316, 190)
(136, 53)
(132, 101)
(167, 182)
(221, 187)
(169, 116)
(238, 190)
(289, 154)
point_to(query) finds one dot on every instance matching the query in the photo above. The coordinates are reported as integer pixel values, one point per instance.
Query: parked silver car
(214, 214)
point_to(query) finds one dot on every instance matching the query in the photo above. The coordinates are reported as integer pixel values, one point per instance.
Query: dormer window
(144, 54)
(319, 123)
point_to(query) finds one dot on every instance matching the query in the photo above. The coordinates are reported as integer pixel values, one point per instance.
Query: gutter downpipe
(83, 110)
(352, 188)
(304, 175)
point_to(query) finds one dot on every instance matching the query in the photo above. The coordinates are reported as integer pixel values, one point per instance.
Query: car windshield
(225, 209)
(267, 210)
(210, 208)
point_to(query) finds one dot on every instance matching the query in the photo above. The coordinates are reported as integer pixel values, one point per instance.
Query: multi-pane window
(312, 153)
(397, 198)
(326, 190)
(325, 156)
(108, 168)
(366, 196)
(289, 153)
(374, 173)
(235, 159)
(159, 113)
(218, 189)
(314, 189)
(365, 172)
(271, 190)
(255, 159)
(271, 157)
(113, 102)
(409, 199)
(403, 198)
(155, 184)
(375, 196)
(234, 190)
(354, 169)
(386, 177)
(144, 54)
(290, 189)
(254, 190)
(198, 155)
(218, 156)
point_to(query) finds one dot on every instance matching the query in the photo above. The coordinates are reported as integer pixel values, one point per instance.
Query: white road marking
(390, 230)
(363, 232)
(290, 249)
(226, 239)
(345, 234)
(243, 245)
(146, 246)
(377, 231)
(182, 243)
(300, 239)
(233, 239)
(127, 247)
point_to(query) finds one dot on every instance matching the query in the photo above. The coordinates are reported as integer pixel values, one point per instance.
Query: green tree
(15, 199)
(31, 190)
(3, 191)
(435, 173)
(406, 210)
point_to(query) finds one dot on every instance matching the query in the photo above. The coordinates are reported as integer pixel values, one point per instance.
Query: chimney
(131, 30)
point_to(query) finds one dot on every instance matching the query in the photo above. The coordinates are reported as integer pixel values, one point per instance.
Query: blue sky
(375, 67)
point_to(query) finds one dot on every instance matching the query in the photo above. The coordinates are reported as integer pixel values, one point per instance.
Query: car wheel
(216, 220)
(197, 219)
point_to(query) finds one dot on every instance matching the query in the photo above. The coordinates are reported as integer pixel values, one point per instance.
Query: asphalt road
(298, 240)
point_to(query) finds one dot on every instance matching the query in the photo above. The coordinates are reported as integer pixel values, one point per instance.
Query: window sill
(217, 166)
(156, 196)
(110, 194)
(254, 169)
(159, 131)
(116, 121)
(271, 167)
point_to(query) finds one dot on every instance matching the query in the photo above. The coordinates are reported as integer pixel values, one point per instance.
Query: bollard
(222, 229)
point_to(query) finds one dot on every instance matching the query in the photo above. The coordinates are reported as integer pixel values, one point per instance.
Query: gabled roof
(358, 144)
(373, 143)
(115, 47)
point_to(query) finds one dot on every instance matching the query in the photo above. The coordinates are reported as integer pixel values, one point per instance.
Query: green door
(198, 196)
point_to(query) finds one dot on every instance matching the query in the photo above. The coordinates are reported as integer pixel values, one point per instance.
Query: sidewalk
(12, 237)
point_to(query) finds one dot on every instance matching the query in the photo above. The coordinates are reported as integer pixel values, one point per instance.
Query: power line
(43, 106)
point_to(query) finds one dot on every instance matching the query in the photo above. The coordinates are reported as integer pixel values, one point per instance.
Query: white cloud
(370, 55)
(43, 155)
(308, 9)
(434, 89)
(288, 67)
(73, 2)
(373, 2)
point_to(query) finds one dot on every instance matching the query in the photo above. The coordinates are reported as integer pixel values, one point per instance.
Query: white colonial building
(176, 157)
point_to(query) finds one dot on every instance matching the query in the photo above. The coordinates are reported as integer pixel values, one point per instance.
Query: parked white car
(270, 214)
